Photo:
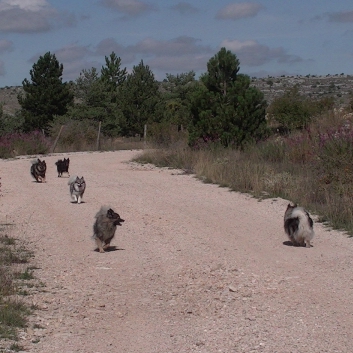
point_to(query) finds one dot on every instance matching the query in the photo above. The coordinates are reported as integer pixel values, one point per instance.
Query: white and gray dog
(298, 225)
(77, 188)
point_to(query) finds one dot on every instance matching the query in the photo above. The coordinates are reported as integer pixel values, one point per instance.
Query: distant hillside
(8, 97)
(338, 86)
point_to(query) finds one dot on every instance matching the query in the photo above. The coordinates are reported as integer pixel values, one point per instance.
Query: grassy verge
(15, 270)
(313, 168)
(16, 144)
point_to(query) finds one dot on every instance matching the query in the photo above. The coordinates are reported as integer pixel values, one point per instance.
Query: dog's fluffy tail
(299, 226)
(72, 179)
(103, 211)
(302, 215)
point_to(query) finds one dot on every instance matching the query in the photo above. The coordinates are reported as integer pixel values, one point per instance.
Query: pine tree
(225, 108)
(46, 95)
(112, 72)
(140, 97)
(176, 94)
(95, 103)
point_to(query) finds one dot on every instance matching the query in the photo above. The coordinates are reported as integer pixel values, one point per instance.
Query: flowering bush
(336, 154)
(15, 144)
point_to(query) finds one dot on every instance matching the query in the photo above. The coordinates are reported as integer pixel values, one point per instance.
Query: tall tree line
(219, 107)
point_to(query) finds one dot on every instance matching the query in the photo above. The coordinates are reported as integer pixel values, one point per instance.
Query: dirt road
(196, 268)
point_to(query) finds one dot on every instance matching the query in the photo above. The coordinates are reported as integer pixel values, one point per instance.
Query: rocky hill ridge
(338, 86)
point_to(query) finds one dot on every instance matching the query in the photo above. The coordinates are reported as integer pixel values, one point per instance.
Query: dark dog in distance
(105, 226)
(62, 166)
(298, 226)
(38, 170)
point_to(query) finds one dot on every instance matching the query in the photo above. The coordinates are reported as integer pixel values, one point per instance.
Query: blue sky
(269, 37)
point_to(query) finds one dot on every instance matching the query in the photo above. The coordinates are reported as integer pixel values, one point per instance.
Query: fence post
(145, 135)
(57, 139)
(98, 136)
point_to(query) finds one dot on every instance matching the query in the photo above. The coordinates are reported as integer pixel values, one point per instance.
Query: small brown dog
(105, 226)
(298, 225)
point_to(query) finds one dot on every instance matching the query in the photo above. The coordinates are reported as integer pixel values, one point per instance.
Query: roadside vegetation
(312, 167)
(15, 275)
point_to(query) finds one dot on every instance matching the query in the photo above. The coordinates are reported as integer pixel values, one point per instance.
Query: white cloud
(237, 11)
(24, 16)
(72, 52)
(129, 7)
(175, 47)
(27, 5)
(172, 56)
(251, 53)
(184, 8)
(179, 64)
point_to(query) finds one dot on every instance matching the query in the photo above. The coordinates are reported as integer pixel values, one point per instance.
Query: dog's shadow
(289, 243)
(110, 249)
(75, 202)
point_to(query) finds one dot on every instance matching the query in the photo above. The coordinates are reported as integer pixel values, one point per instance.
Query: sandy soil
(196, 268)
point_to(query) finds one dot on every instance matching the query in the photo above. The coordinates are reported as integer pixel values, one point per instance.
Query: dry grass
(13, 310)
(307, 167)
(106, 144)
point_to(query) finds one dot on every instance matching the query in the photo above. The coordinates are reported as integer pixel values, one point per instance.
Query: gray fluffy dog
(105, 226)
(298, 225)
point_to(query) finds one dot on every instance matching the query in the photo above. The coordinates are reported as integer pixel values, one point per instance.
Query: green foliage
(222, 70)
(46, 95)
(112, 73)
(140, 99)
(96, 101)
(165, 134)
(291, 111)
(13, 312)
(176, 95)
(225, 109)
(26, 275)
(12, 315)
(335, 160)
(76, 134)
(8, 123)
(16, 347)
